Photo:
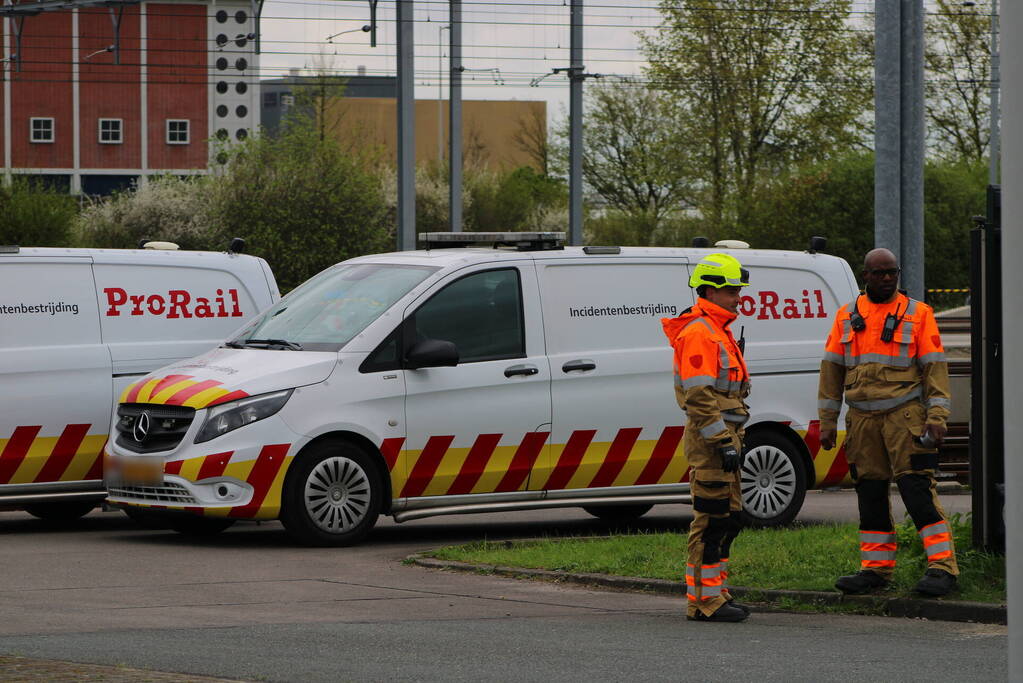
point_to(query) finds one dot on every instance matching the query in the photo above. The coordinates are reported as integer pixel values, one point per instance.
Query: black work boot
(862, 581)
(724, 613)
(733, 603)
(936, 582)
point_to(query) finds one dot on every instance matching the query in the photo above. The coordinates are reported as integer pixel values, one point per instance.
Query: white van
(453, 380)
(79, 325)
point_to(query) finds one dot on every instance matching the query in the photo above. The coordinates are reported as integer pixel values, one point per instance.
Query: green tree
(520, 199)
(301, 201)
(759, 86)
(633, 158)
(958, 61)
(835, 199)
(166, 208)
(33, 216)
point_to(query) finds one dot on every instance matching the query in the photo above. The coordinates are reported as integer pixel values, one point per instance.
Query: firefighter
(711, 381)
(884, 352)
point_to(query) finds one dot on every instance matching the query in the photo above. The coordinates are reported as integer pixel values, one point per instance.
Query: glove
(730, 458)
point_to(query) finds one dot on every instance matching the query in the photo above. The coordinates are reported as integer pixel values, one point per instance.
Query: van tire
(618, 514)
(332, 495)
(61, 512)
(772, 480)
(199, 526)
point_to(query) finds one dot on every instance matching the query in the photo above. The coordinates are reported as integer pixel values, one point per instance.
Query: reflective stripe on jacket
(875, 375)
(711, 377)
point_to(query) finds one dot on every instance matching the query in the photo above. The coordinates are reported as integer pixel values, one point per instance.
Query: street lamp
(366, 28)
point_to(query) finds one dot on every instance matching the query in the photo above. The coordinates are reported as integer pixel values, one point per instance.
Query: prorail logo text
(177, 303)
(770, 303)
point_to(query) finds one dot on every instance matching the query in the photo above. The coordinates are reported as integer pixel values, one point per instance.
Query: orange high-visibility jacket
(711, 377)
(879, 376)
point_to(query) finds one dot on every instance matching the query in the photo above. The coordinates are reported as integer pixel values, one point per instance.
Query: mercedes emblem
(141, 429)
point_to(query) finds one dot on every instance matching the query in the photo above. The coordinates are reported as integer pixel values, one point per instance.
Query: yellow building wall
(489, 128)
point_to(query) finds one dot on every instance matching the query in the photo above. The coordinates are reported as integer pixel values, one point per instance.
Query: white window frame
(32, 130)
(187, 131)
(119, 130)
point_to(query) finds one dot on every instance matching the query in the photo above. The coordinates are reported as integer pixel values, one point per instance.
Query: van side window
(480, 313)
(386, 356)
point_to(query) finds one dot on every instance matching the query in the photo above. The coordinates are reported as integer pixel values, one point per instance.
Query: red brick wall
(42, 88)
(108, 90)
(177, 67)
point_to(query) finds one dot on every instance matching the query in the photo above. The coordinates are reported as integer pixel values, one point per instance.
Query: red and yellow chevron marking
(265, 474)
(830, 467)
(180, 390)
(485, 467)
(27, 458)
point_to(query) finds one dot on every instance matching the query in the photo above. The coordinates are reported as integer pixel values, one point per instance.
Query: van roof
(122, 255)
(446, 258)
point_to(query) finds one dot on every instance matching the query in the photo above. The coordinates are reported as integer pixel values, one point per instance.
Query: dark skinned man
(885, 355)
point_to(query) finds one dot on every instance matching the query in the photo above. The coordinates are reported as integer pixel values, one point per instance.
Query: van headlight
(227, 417)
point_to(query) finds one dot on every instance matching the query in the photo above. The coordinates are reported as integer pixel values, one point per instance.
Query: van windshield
(328, 310)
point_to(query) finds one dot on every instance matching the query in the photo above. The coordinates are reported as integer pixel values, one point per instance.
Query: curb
(936, 609)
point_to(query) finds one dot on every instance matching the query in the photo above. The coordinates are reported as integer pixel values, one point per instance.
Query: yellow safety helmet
(719, 270)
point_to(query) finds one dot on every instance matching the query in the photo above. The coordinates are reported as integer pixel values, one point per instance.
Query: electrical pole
(994, 152)
(899, 136)
(1012, 334)
(406, 229)
(455, 118)
(575, 135)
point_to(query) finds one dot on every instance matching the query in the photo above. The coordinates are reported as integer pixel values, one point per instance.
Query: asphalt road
(250, 605)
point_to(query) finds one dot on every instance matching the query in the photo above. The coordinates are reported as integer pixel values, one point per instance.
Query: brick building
(99, 95)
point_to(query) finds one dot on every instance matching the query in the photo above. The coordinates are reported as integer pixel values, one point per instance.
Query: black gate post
(987, 430)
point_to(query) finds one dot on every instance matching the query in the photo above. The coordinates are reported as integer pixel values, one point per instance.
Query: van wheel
(332, 495)
(772, 479)
(61, 512)
(199, 526)
(617, 514)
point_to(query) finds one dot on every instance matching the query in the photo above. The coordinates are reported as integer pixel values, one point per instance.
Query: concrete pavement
(249, 605)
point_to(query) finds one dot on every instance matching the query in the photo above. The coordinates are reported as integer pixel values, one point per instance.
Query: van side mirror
(431, 353)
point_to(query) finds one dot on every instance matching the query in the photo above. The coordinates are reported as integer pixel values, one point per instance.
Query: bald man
(884, 354)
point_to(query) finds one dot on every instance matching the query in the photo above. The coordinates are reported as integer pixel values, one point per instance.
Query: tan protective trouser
(880, 448)
(716, 504)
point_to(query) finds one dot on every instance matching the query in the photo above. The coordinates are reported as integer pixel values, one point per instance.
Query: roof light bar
(523, 241)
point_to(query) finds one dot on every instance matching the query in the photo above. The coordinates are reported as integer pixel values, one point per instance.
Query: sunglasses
(885, 272)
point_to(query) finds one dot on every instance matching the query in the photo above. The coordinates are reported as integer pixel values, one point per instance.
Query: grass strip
(794, 558)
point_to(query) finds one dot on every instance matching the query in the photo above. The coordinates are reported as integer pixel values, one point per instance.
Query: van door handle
(582, 364)
(521, 370)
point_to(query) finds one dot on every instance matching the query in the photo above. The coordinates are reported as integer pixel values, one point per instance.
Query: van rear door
(54, 374)
(616, 421)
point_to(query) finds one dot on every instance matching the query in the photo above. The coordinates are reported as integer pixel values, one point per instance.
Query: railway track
(953, 324)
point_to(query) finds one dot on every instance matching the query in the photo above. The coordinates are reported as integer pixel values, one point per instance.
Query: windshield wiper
(290, 345)
(234, 345)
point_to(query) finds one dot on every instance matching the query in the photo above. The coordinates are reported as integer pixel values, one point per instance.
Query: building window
(177, 131)
(269, 99)
(287, 100)
(41, 129)
(111, 131)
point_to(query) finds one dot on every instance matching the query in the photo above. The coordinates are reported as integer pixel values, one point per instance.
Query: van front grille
(168, 492)
(147, 428)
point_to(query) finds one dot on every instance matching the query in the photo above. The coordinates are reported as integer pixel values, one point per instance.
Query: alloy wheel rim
(768, 482)
(337, 494)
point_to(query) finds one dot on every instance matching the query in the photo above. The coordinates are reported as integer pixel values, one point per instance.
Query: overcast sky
(507, 44)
